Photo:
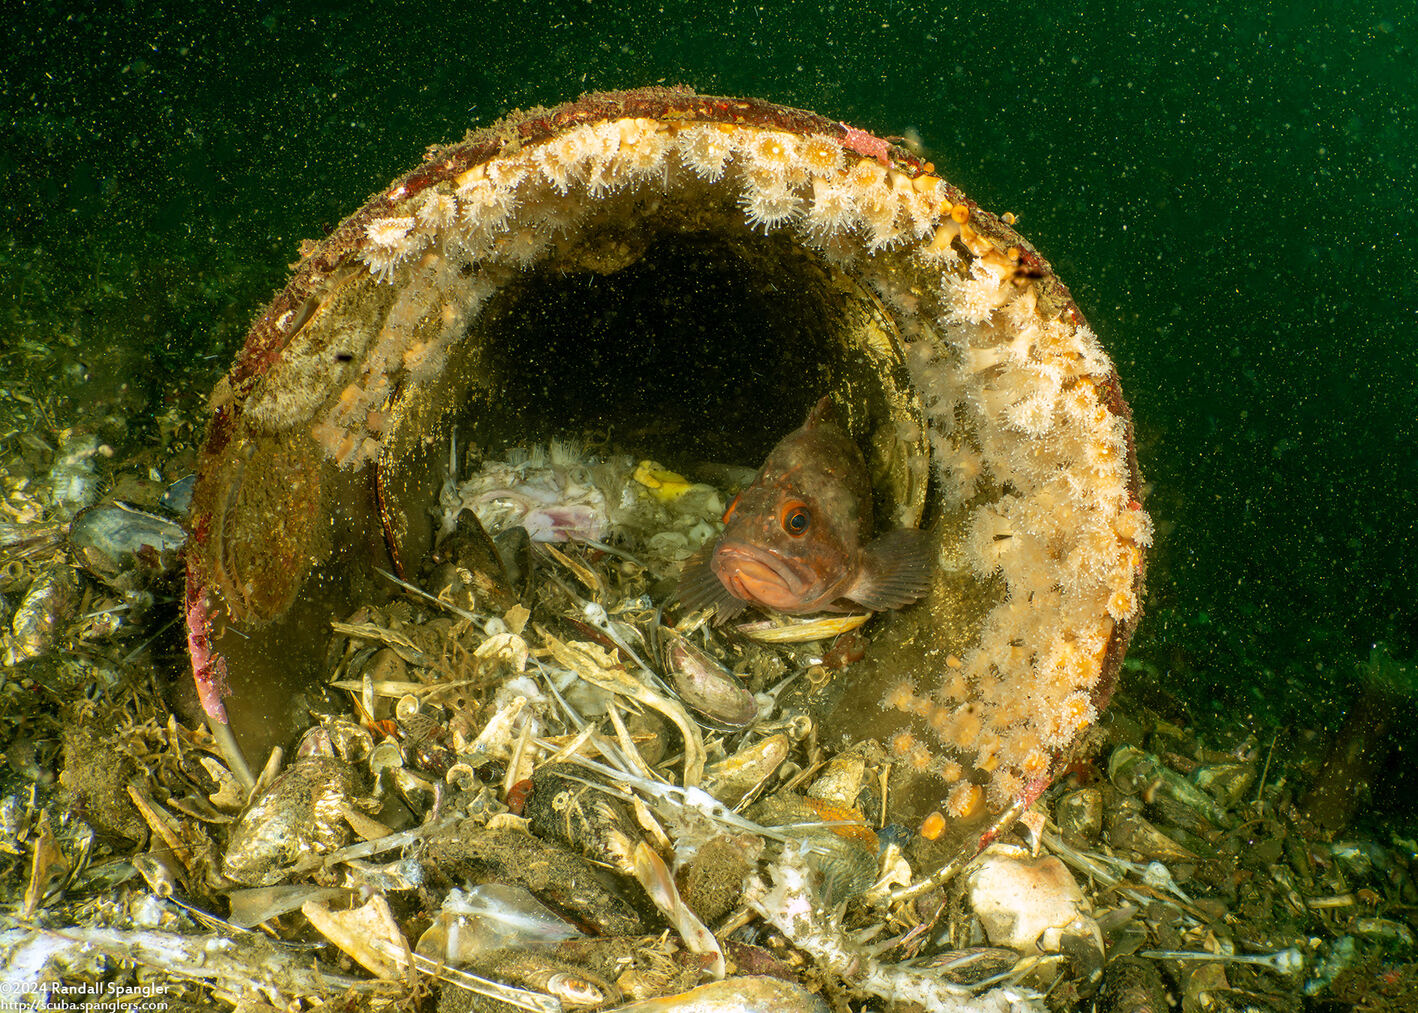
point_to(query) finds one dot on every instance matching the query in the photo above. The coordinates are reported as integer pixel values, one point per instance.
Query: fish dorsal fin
(823, 411)
(895, 571)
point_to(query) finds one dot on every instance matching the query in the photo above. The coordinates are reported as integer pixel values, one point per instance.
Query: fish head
(792, 539)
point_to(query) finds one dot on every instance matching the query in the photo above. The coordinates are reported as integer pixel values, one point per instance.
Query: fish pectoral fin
(895, 571)
(700, 587)
(727, 608)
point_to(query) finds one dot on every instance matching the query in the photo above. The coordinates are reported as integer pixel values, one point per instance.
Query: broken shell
(73, 478)
(706, 686)
(841, 782)
(113, 540)
(387, 755)
(254, 905)
(798, 630)
(17, 811)
(462, 777)
(418, 792)
(158, 870)
(349, 740)
(1228, 783)
(1128, 829)
(45, 605)
(1134, 772)
(407, 707)
(489, 916)
(177, 497)
(368, 933)
(1384, 930)
(52, 863)
(1028, 904)
(768, 995)
(1079, 815)
(293, 824)
(733, 779)
(1174, 815)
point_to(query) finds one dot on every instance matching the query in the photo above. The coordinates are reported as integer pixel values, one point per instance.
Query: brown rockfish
(799, 538)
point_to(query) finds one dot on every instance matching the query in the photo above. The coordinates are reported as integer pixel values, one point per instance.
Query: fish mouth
(765, 578)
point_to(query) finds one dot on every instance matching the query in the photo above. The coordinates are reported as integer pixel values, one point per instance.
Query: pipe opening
(701, 347)
(687, 275)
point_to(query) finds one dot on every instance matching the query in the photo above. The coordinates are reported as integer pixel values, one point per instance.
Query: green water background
(1229, 197)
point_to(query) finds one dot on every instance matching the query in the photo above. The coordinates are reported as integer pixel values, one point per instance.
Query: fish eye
(795, 519)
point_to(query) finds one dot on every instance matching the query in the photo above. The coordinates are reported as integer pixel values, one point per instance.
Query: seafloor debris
(524, 785)
(568, 805)
(51, 528)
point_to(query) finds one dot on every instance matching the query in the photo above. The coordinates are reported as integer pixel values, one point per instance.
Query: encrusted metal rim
(283, 318)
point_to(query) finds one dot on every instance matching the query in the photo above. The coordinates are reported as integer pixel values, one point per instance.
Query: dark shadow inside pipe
(706, 347)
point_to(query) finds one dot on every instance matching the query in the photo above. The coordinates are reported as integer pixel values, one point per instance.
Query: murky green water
(1226, 197)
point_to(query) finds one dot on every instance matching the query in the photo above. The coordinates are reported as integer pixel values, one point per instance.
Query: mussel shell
(475, 553)
(1235, 1000)
(1133, 985)
(581, 816)
(297, 819)
(1133, 771)
(566, 881)
(1129, 829)
(1228, 783)
(732, 778)
(706, 686)
(177, 498)
(110, 539)
(48, 603)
